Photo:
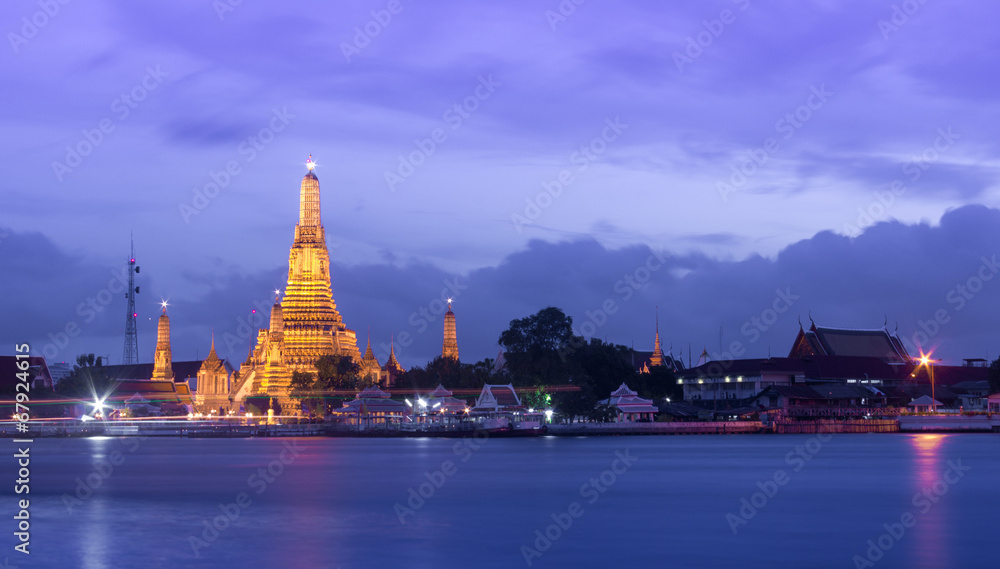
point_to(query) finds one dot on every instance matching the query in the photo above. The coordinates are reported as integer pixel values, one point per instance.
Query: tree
(603, 413)
(658, 384)
(302, 380)
(257, 404)
(539, 348)
(336, 373)
(88, 379)
(542, 351)
(547, 330)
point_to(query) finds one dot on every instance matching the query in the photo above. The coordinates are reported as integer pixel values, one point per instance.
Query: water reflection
(94, 537)
(929, 508)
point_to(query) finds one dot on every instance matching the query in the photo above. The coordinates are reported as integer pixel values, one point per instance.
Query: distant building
(925, 404)
(993, 405)
(154, 397)
(498, 399)
(162, 368)
(629, 407)
(822, 356)
(972, 394)
(441, 401)
(59, 370)
(213, 385)
(822, 341)
(184, 371)
(392, 368)
(449, 348)
(371, 407)
(38, 372)
(376, 374)
(202, 385)
(645, 361)
(305, 324)
(820, 400)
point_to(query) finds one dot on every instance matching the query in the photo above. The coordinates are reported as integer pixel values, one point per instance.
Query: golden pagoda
(163, 367)
(657, 358)
(392, 368)
(450, 347)
(371, 370)
(305, 324)
(312, 324)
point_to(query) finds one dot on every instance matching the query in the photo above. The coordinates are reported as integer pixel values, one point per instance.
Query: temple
(645, 361)
(450, 347)
(657, 358)
(375, 374)
(305, 324)
(213, 384)
(823, 341)
(163, 369)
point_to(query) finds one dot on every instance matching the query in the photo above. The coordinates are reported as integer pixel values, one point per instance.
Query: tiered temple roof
(823, 341)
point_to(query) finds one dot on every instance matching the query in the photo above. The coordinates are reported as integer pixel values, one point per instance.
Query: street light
(925, 360)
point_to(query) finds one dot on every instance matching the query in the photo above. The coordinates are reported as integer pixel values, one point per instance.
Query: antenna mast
(130, 354)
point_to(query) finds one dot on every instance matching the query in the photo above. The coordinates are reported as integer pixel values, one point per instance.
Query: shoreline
(210, 429)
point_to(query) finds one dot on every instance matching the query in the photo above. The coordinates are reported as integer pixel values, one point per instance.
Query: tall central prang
(305, 324)
(312, 325)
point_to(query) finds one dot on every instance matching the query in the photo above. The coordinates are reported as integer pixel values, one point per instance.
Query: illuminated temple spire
(313, 326)
(392, 364)
(370, 368)
(163, 369)
(657, 358)
(309, 197)
(450, 347)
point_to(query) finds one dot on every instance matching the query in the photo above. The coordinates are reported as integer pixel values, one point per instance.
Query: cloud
(919, 277)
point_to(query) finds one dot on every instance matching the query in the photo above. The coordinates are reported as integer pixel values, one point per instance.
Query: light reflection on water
(334, 504)
(930, 512)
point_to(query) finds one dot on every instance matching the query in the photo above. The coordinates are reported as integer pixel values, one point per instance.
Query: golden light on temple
(310, 164)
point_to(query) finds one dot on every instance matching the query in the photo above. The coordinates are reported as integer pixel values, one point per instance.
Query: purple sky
(867, 149)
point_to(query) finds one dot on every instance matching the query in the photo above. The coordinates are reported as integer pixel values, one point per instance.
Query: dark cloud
(920, 277)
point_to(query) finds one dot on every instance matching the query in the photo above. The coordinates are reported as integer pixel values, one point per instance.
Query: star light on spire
(163, 305)
(310, 164)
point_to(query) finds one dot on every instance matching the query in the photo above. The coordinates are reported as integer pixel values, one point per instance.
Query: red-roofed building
(171, 398)
(37, 369)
